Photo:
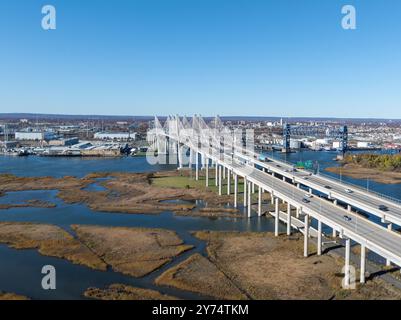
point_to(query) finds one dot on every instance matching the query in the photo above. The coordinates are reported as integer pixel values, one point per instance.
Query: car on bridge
(347, 218)
(383, 208)
(348, 190)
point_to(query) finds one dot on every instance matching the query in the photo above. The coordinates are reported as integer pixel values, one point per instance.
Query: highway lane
(364, 228)
(363, 200)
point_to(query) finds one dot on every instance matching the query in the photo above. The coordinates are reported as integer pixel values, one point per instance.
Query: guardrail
(345, 183)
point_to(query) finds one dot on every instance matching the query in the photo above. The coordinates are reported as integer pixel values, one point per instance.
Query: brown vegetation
(50, 241)
(126, 192)
(132, 251)
(262, 266)
(357, 172)
(11, 296)
(124, 292)
(28, 204)
(198, 274)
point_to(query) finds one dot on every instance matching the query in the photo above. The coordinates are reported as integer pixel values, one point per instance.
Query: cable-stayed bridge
(232, 156)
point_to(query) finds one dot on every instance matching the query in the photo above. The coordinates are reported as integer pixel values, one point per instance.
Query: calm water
(20, 269)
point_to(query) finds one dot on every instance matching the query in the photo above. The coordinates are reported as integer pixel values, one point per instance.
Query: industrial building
(119, 136)
(34, 135)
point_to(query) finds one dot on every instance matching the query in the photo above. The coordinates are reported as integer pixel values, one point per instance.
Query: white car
(308, 196)
(348, 191)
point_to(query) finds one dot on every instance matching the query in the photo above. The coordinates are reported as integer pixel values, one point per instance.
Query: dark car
(305, 200)
(383, 208)
(327, 187)
(347, 218)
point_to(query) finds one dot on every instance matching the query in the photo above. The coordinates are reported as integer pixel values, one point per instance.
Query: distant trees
(383, 162)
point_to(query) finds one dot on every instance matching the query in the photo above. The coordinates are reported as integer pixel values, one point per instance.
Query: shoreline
(358, 172)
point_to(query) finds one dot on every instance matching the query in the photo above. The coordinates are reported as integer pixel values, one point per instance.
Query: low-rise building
(34, 135)
(119, 136)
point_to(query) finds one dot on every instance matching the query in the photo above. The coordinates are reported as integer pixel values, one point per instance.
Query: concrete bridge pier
(216, 173)
(389, 227)
(235, 190)
(191, 155)
(245, 195)
(249, 199)
(179, 156)
(220, 182)
(306, 235)
(319, 238)
(207, 172)
(259, 201)
(276, 216)
(224, 172)
(363, 263)
(228, 182)
(288, 219)
(196, 166)
(347, 263)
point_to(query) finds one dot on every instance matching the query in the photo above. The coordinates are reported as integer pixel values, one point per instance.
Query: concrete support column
(249, 199)
(284, 179)
(298, 212)
(389, 227)
(335, 201)
(272, 198)
(196, 166)
(216, 179)
(179, 157)
(224, 172)
(260, 201)
(298, 185)
(207, 172)
(288, 219)
(190, 158)
(306, 235)
(228, 182)
(310, 190)
(245, 195)
(220, 182)
(276, 216)
(253, 187)
(349, 208)
(319, 238)
(334, 234)
(235, 190)
(347, 257)
(363, 263)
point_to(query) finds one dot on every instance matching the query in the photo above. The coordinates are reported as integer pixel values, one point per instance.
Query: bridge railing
(360, 188)
(345, 183)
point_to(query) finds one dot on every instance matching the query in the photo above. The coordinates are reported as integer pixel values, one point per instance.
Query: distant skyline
(281, 58)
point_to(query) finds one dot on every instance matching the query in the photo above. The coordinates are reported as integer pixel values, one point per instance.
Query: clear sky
(229, 57)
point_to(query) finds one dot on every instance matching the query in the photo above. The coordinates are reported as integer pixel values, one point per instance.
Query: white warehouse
(115, 136)
(34, 135)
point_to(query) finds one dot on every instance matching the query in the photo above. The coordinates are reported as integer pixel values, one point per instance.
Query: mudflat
(200, 275)
(132, 251)
(50, 241)
(124, 292)
(262, 266)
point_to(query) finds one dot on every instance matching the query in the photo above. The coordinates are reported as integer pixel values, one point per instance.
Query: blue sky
(229, 57)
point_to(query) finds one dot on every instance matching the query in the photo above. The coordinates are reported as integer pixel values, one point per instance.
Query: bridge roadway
(359, 198)
(368, 234)
(380, 240)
